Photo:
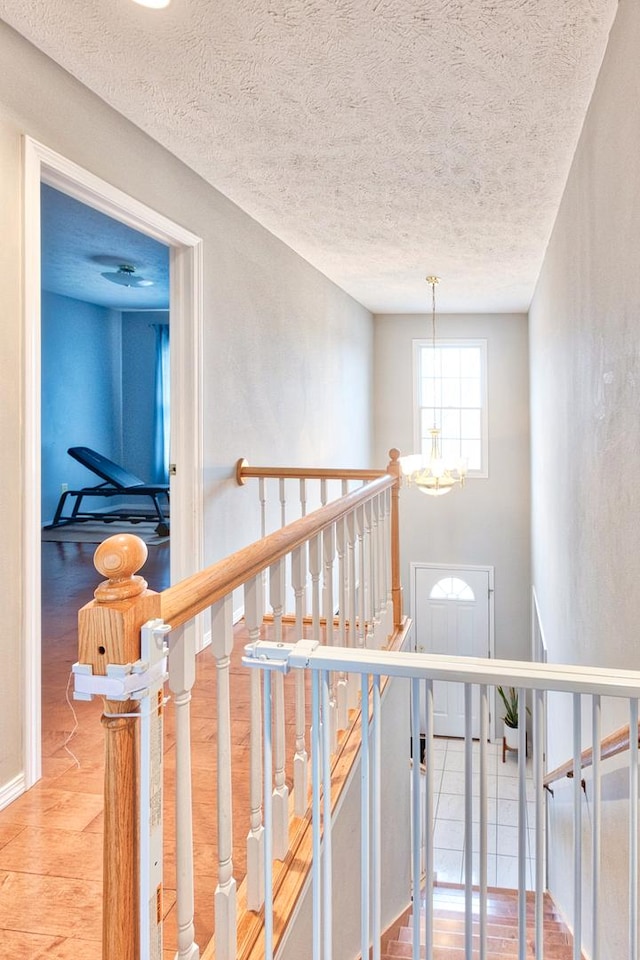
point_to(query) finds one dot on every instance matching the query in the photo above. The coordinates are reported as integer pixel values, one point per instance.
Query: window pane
(428, 397)
(471, 451)
(450, 393)
(470, 362)
(429, 417)
(470, 395)
(451, 588)
(452, 396)
(427, 362)
(450, 423)
(450, 361)
(450, 451)
(470, 424)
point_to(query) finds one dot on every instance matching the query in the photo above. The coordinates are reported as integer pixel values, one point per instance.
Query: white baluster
(323, 492)
(300, 770)
(428, 818)
(468, 819)
(314, 570)
(416, 820)
(538, 779)
(633, 827)
(328, 551)
(522, 826)
(182, 675)
(341, 639)
(225, 895)
(384, 585)
(376, 817)
(365, 823)
(577, 823)
(382, 571)
(352, 636)
(362, 577)
(374, 598)
(303, 498)
(368, 577)
(482, 898)
(327, 887)
(280, 789)
(596, 841)
(253, 610)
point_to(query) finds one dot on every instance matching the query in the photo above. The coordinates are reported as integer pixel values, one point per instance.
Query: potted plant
(509, 697)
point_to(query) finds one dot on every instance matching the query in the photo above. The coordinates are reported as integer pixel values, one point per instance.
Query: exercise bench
(117, 482)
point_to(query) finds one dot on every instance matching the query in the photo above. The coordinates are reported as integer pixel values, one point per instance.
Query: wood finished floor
(51, 837)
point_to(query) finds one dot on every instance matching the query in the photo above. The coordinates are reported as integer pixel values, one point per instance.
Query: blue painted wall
(97, 391)
(81, 390)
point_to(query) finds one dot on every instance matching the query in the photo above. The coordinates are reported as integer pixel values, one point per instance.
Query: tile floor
(502, 819)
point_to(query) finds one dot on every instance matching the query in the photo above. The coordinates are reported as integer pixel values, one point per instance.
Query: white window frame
(483, 473)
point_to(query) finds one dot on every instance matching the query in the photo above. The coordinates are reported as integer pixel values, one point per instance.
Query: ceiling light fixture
(153, 4)
(125, 276)
(430, 473)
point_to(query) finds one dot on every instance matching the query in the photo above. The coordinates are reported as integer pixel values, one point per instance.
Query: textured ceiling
(381, 139)
(79, 244)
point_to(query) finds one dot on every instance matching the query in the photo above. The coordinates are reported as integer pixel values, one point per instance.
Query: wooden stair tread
(399, 949)
(552, 934)
(502, 928)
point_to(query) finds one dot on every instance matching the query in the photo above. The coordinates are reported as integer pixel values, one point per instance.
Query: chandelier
(430, 472)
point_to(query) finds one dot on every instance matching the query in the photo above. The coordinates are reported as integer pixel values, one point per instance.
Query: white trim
(31, 583)
(458, 567)
(539, 649)
(43, 165)
(481, 342)
(12, 790)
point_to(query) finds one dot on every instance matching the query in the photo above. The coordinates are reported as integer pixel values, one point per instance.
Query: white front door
(451, 616)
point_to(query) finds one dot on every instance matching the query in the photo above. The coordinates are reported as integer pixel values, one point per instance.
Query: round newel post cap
(394, 454)
(119, 558)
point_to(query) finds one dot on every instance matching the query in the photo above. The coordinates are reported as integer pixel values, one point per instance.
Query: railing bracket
(123, 681)
(279, 656)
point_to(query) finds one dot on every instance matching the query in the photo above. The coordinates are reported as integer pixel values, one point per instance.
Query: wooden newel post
(395, 469)
(109, 633)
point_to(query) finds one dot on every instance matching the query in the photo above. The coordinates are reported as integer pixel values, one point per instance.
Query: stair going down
(502, 928)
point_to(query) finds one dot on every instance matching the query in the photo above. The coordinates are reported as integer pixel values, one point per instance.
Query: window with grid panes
(451, 393)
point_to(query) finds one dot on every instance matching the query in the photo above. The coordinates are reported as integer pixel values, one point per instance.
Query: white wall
(585, 403)
(287, 355)
(488, 521)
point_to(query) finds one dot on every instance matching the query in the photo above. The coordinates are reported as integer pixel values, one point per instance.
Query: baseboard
(12, 790)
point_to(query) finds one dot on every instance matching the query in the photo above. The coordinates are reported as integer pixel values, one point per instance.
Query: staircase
(502, 928)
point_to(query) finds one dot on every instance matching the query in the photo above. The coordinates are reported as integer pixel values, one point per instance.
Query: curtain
(161, 405)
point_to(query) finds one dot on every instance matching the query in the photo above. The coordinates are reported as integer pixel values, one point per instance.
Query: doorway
(452, 609)
(42, 165)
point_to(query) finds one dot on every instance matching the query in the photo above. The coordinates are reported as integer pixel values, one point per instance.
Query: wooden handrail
(244, 472)
(184, 600)
(610, 746)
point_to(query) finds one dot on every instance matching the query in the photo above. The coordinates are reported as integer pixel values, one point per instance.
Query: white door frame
(460, 568)
(43, 165)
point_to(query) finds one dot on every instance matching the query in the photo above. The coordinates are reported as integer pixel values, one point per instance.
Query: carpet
(93, 531)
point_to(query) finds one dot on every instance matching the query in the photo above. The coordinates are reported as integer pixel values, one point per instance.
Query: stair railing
(422, 674)
(357, 529)
(610, 746)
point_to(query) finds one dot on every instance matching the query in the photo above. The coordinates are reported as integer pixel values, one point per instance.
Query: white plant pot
(511, 735)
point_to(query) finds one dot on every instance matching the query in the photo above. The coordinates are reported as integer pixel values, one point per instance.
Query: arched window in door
(451, 588)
